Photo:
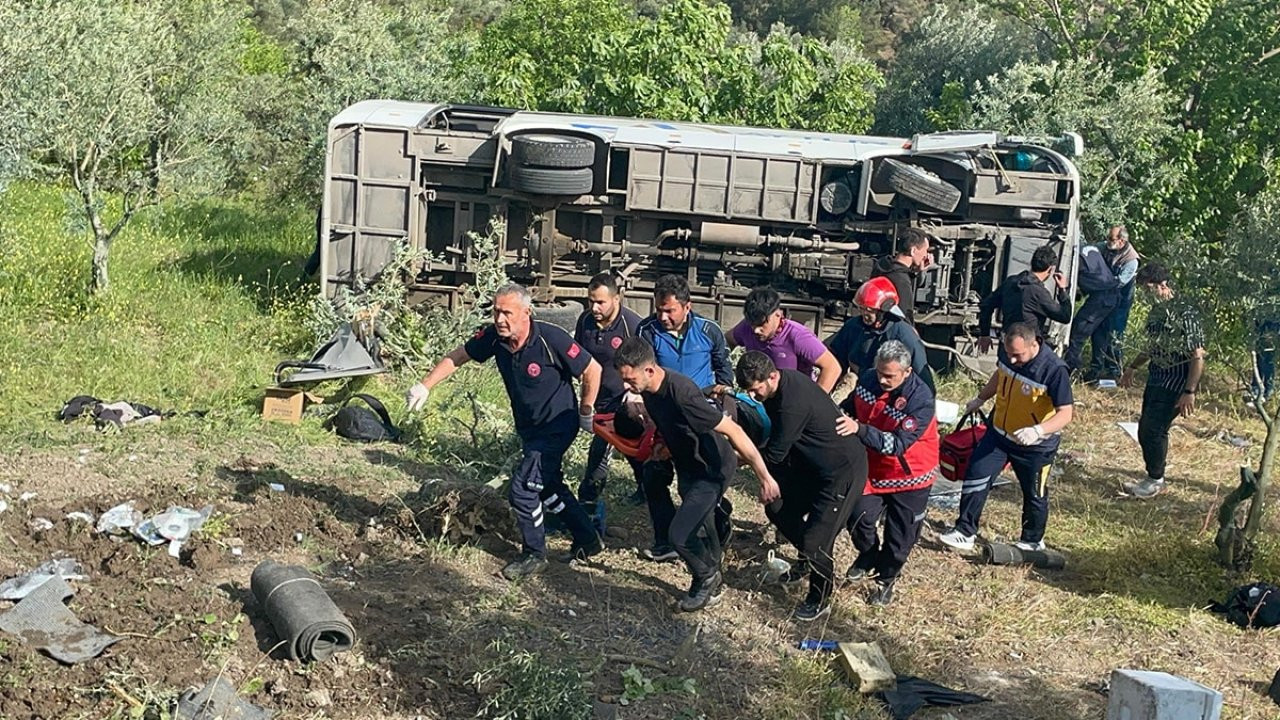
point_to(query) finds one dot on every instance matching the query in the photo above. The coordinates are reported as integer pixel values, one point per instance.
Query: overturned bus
(730, 208)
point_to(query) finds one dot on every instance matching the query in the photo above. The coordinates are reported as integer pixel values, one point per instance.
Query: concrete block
(866, 667)
(1143, 695)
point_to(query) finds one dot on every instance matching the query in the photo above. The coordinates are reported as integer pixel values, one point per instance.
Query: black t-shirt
(687, 420)
(603, 344)
(539, 376)
(804, 433)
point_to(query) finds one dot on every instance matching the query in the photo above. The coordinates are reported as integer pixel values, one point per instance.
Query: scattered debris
(19, 587)
(318, 698)
(1144, 695)
(815, 644)
(40, 524)
(774, 568)
(43, 621)
(912, 694)
(1106, 384)
(174, 526)
(277, 487)
(866, 667)
(1002, 554)
(27, 496)
(119, 519)
(218, 701)
(1235, 441)
(1256, 605)
(1130, 428)
(300, 611)
(81, 516)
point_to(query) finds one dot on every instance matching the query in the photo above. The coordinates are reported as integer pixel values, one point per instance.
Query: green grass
(203, 303)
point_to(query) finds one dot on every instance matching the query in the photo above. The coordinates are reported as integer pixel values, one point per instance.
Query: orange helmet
(879, 294)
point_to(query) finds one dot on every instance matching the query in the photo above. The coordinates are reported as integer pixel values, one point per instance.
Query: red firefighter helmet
(879, 294)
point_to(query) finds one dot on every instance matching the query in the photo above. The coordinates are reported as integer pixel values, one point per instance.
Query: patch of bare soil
(1039, 644)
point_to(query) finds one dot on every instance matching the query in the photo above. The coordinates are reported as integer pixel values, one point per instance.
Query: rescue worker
(789, 344)
(1123, 259)
(1093, 320)
(1023, 298)
(819, 473)
(1175, 347)
(687, 343)
(1033, 404)
(601, 330)
(538, 362)
(892, 412)
(879, 321)
(904, 267)
(702, 442)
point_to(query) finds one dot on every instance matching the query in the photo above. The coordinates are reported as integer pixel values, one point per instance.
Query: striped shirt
(1174, 334)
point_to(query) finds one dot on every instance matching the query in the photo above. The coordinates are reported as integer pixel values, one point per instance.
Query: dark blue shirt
(856, 344)
(698, 352)
(539, 376)
(603, 344)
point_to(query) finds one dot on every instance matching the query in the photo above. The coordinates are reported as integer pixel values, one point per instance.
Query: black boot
(583, 551)
(703, 594)
(524, 566)
(882, 595)
(813, 607)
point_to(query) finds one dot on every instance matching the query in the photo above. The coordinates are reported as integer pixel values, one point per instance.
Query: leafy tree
(126, 102)
(600, 56)
(1236, 286)
(939, 65)
(1126, 174)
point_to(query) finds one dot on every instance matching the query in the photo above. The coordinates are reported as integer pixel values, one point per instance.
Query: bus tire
(918, 184)
(563, 315)
(552, 151)
(545, 181)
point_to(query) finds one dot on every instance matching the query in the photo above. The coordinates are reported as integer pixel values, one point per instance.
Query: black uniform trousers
(903, 514)
(537, 486)
(1031, 466)
(1092, 322)
(656, 476)
(1159, 408)
(693, 528)
(810, 514)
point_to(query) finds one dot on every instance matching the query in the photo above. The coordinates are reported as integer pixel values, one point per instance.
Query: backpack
(1252, 606)
(957, 446)
(363, 424)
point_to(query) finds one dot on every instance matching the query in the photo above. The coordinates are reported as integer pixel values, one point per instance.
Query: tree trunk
(1235, 540)
(100, 282)
(1263, 479)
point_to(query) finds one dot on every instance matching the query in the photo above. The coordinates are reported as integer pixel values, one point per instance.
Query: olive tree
(1236, 286)
(124, 102)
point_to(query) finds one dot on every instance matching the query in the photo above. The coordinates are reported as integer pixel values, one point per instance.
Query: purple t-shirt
(793, 347)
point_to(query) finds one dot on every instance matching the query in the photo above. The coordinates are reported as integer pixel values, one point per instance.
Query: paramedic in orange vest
(1032, 389)
(892, 412)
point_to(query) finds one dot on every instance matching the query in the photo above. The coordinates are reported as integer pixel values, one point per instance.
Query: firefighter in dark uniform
(702, 442)
(1033, 404)
(538, 362)
(879, 320)
(601, 330)
(892, 412)
(819, 473)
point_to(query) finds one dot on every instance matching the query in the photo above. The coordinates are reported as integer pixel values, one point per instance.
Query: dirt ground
(1039, 644)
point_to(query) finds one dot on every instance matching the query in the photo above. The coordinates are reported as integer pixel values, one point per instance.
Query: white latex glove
(1029, 435)
(973, 405)
(416, 397)
(584, 421)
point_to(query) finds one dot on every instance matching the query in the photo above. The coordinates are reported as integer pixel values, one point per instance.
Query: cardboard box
(866, 667)
(286, 404)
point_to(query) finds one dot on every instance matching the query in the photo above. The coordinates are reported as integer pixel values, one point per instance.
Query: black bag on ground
(364, 424)
(1256, 605)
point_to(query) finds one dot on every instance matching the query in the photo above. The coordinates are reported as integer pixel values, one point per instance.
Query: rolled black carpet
(300, 611)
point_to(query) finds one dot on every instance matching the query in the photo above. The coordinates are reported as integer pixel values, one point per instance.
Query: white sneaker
(1029, 546)
(1148, 488)
(957, 540)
